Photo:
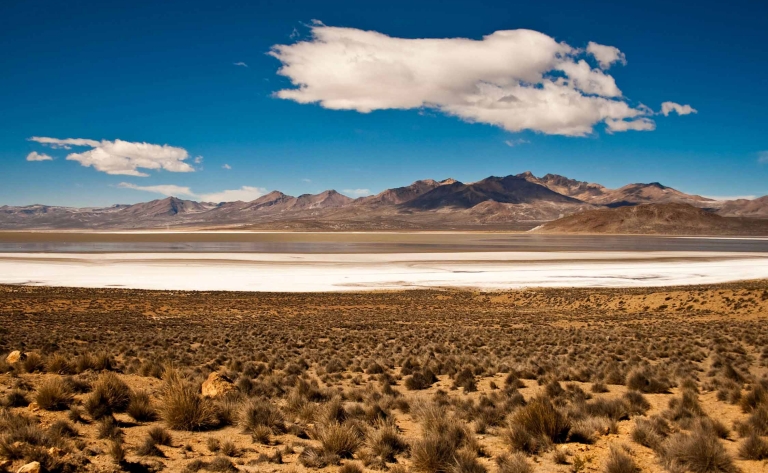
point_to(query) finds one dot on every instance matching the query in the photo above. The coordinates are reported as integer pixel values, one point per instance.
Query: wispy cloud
(306, 180)
(641, 124)
(357, 192)
(762, 157)
(669, 107)
(241, 64)
(169, 190)
(730, 197)
(245, 193)
(35, 156)
(122, 157)
(515, 142)
(515, 79)
(226, 166)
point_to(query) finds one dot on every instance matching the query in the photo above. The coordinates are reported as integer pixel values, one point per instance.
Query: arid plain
(655, 379)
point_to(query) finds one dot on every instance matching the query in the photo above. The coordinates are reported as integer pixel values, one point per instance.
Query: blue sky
(164, 73)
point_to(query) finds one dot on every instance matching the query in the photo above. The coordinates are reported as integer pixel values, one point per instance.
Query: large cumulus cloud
(517, 80)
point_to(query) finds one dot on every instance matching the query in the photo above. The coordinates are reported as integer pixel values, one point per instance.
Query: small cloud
(245, 194)
(198, 159)
(762, 157)
(516, 142)
(606, 55)
(120, 157)
(227, 167)
(294, 34)
(669, 107)
(169, 190)
(730, 197)
(241, 64)
(640, 124)
(306, 180)
(357, 192)
(35, 156)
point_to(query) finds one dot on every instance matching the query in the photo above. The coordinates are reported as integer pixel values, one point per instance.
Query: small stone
(217, 385)
(33, 467)
(15, 357)
(56, 452)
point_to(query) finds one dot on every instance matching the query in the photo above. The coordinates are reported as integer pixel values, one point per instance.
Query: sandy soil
(562, 331)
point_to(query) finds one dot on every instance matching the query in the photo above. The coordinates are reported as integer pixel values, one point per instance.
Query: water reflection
(367, 243)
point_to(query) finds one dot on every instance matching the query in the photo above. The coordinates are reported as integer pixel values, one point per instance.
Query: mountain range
(515, 202)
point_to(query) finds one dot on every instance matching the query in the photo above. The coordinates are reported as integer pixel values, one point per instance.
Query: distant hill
(755, 208)
(514, 202)
(655, 219)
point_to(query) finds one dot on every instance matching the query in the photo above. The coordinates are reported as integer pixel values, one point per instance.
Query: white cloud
(606, 55)
(245, 193)
(226, 166)
(762, 157)
(516, 142)
(122, 157)
(730, 197)
(306, 180)
(165, 189)
(198, 160)
(640, 124)
(35, 156)
(241, 64)
(68, 143)
(357, 192)
(669, 107)
(517, 80)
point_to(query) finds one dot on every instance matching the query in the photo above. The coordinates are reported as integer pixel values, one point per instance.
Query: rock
(33, 467)
(15, 357)
(56, 452)
(217, 385)
(33, 407)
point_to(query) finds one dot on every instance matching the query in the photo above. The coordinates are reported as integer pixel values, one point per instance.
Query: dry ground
(669, 379)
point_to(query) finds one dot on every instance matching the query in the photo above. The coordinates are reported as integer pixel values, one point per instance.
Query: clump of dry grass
(183, 407)
(340, 440)
(753, 448)
(140, 407)
(383, 443)
(646, 382)
(515, 463)
(443, 437)
(15, 398)
(536, 426)
(619, 461)
(257, 415)
(698, 452)
(53, 395)
(650, 432)
(110, 395)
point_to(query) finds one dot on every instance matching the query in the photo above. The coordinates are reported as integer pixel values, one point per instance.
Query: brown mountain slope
(166, 207)
(649, 219)
(516, 202)
(633, 194)
(399, 195)
(586, 191)
(756, 208)
(506, 190)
